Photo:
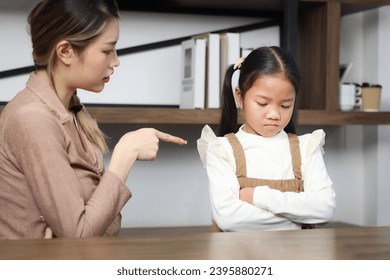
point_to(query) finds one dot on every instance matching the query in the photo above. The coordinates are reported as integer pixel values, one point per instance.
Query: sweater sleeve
(317, 203)
(40, 148)
(229, 212)
(114, 227)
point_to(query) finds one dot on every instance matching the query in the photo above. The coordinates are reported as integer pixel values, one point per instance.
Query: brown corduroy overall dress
(288, 185)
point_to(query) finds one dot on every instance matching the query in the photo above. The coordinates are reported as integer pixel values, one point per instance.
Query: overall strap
(294, 185)
(296, 161)
(239, 155)
(296, 157)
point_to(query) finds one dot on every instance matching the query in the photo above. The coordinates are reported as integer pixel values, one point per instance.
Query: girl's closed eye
(263, 104)
(286, 106)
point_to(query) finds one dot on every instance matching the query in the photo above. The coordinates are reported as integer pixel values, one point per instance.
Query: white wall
(172, 191)
(364, 42)
(147, 78)
(383, 194)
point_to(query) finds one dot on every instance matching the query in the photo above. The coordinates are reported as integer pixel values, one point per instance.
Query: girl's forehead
(272, 86)
(272, 81)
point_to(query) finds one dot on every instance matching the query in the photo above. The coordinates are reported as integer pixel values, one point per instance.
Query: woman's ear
(238, 97)
(64, 52)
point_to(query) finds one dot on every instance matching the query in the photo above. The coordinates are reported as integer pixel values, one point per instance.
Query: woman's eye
(286, 106)
(261, 104)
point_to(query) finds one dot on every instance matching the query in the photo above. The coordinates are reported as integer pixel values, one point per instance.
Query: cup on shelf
(358, 97)
(347, 96)
(371, 97)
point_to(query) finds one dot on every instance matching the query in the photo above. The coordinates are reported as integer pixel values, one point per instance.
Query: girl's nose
(273, 114)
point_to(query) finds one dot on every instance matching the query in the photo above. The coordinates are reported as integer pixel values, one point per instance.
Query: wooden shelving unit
(317, 41)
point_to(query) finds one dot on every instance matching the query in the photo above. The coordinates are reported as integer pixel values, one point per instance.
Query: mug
(347, 97)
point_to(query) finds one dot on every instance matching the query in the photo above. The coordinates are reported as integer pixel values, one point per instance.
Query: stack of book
(205, 58)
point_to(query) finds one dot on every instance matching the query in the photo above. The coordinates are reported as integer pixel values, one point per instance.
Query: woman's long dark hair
(79, 22)
(261, 61)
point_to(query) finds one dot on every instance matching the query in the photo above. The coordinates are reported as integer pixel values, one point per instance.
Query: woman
(52, 179)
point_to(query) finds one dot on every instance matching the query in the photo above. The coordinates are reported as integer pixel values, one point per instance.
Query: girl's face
(96, 63)
(268, 105)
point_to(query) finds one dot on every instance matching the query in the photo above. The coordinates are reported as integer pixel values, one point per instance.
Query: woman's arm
(41, 147)
(141, 144)
(114, 228)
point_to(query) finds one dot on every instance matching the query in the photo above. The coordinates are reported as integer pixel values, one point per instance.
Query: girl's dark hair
(79, 22)
(261, 61)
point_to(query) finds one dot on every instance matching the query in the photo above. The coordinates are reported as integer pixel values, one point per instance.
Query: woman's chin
(95, 89)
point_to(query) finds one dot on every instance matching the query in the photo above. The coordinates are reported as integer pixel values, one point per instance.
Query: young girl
(262, 176)
(52, 178)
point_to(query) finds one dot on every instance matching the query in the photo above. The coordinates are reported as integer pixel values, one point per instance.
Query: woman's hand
(145, 142)
(141, 144)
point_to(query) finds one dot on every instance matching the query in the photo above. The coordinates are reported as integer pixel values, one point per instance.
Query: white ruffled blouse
(267, 158)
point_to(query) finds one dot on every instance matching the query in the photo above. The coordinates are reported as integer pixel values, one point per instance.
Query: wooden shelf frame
(212, 116)
(318, 26)
(323, 117)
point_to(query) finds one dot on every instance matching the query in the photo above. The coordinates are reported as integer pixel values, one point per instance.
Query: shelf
(146, 116)
(232, 7)
(131, 115)
(212, 116)
(322, 117)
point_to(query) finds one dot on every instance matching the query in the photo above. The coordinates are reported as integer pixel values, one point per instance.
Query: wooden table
(318, 244)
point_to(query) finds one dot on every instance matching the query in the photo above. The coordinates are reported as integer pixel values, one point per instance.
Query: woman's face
(96, 63)
(268, 105)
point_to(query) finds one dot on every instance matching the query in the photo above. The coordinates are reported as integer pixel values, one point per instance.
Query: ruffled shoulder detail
(209, 140)
(316, 141)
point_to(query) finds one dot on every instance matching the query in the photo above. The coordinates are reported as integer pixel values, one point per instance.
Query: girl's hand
(48, 232)
(246, 194)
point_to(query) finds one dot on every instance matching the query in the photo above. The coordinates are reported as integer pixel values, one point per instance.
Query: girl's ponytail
(228, 121)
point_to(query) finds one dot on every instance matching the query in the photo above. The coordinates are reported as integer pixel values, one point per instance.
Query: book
(212, 94)
(193, 74)
(230, 51)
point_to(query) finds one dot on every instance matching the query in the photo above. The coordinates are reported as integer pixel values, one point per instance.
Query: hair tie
(238, 63)
(76, 108)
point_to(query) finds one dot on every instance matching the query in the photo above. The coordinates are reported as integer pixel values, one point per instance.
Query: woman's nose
(116, 61)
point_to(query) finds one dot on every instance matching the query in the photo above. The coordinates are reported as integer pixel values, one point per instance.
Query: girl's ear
(64, 52)
(238, 97)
